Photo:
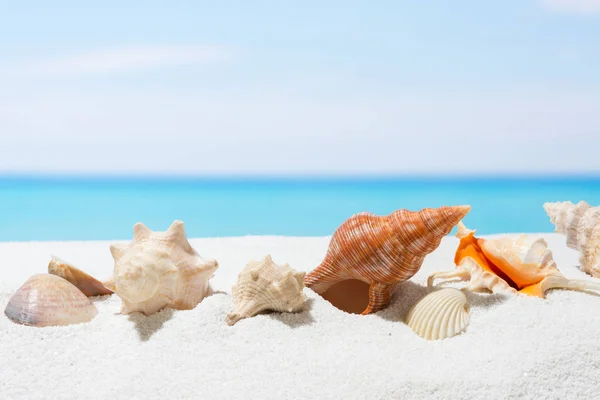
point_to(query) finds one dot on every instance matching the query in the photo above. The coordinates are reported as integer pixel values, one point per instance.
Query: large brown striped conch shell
(89, 285)
(520, 265)
(49, 300)
(580, 223)
(369, 254)
(158, 270)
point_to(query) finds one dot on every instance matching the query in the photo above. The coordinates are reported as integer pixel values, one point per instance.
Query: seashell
(378, 252)
(49, 300)
(264, 285)
(84, 282)
(508, 264)
(439, 315)
(580, 223)
(158, 270)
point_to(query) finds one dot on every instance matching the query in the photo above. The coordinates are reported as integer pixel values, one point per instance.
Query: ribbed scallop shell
(84, 282)
(49, 300)
(382, 250)
(158, 270)
(439, 315)
(508, 264)
(580, 223)
(263, 285)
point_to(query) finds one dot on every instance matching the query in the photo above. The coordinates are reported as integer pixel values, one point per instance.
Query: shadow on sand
(295, 320)
(408, 293)
(147, 326)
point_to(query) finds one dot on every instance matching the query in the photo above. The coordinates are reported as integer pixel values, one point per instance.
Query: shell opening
(351, 296)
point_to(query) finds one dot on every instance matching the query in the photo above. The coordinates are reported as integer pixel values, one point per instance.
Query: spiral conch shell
(439, 315)
(518, 264)
(158, 270)
(49, 300)
(379, 251)
(580, 223)
(84, 282)
(264, 285)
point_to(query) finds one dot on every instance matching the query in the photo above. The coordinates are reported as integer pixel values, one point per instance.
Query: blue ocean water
(67, 208)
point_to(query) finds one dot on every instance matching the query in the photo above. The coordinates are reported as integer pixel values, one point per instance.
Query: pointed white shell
(49, 300)
(439, 315)
(158, 270)
(580, 223)
(264, 285)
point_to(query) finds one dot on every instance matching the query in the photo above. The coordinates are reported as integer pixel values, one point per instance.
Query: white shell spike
(439, 315)
(158, 270)
(49, 300)
(263, 285)
(580, 223)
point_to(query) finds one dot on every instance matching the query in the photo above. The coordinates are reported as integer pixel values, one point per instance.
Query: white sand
(513, 348)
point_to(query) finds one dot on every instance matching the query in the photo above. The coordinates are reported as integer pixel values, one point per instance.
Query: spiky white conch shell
(158, 270)
(580, 223)
(264, 285)
(441, 314)
(49, 300)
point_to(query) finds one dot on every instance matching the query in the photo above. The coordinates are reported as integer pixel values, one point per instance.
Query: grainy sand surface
(514, 347)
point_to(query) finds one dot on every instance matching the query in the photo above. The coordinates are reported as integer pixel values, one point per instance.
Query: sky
(300, 87)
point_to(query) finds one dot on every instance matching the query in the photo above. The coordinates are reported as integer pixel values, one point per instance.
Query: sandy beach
(514, 347)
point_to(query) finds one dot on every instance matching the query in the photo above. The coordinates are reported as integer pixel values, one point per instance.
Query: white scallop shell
(439, 315)
(264, 285)
(49, 300)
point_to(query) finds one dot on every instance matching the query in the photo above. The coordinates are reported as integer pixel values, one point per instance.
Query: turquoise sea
(69, 208)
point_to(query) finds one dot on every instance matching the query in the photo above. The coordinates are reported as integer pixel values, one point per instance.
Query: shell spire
(580, 223)
(158, 270)
(462, 231)
(381, 251)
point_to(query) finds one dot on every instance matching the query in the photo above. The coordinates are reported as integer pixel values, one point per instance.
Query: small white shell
(439, 315)
(264, 285)
(49, 300)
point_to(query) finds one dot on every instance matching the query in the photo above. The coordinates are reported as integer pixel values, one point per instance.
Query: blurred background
(285, 118)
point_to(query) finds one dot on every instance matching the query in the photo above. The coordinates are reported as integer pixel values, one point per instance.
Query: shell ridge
(439, 315)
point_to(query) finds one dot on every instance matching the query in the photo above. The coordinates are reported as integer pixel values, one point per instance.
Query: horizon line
(128, 177)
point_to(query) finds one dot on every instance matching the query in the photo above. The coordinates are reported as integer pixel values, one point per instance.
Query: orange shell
(383, 250)
(469, 246)
(497, 258)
